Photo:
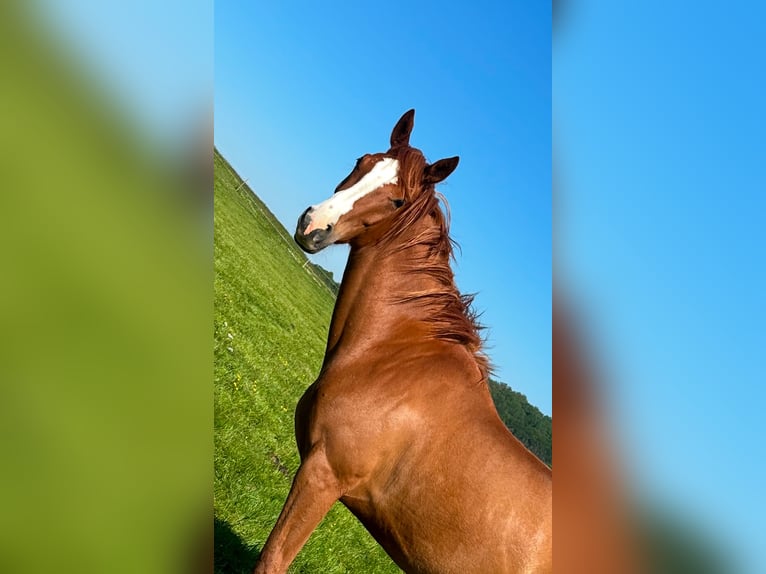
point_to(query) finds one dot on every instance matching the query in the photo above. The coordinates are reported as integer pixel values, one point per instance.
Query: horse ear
(400, 136)
(440, 170)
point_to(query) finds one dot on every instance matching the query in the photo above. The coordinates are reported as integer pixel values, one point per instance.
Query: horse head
(377, 192)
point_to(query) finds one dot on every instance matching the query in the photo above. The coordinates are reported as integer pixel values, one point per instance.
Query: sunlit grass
(271, 321)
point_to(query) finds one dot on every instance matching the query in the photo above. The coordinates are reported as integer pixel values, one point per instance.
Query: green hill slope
(272, 313)
(271, 321)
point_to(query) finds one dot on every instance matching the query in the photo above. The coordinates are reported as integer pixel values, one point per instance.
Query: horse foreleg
(313, 492)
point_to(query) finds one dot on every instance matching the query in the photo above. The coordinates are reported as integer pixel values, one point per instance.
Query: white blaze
(330, 210)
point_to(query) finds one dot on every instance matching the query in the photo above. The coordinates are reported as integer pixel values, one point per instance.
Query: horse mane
(449, 314)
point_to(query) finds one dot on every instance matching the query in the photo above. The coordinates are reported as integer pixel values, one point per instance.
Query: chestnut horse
(400, 426)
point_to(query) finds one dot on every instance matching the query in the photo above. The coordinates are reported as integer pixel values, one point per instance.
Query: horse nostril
(305, 218)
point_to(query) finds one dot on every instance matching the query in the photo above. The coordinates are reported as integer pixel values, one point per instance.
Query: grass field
(270, 324)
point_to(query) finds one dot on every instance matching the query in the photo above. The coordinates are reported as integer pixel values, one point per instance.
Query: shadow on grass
(232, 555)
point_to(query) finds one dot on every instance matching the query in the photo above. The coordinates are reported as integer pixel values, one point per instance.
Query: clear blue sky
(659, 133)
(301, 92)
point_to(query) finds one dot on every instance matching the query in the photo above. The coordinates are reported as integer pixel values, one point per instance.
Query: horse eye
(398, 203)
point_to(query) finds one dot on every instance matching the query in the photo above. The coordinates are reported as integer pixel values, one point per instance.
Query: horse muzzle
(309, 237)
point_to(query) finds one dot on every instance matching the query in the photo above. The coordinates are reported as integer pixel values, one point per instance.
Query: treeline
(525, 421)
(325, 277)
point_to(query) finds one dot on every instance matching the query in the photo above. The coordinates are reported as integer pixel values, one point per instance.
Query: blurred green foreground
(105, 303)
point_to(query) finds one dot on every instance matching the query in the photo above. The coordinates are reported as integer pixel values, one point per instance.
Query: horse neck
(372, 303)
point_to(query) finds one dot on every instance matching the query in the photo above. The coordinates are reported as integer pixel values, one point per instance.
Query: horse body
(400, 426)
